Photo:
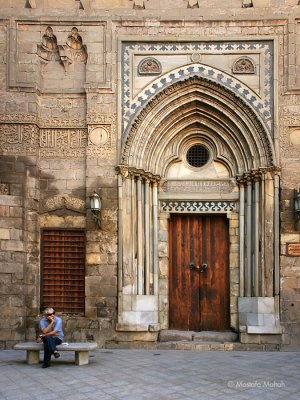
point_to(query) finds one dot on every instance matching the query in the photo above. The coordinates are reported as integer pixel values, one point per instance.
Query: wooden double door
(199, 273)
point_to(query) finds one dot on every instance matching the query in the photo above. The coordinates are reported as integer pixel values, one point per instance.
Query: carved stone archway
(191, 111)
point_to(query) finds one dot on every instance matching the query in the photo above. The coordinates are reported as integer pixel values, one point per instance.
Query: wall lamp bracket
(95, 207)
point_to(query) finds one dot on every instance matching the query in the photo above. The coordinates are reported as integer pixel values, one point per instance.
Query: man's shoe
(45, 365)
(56, 354)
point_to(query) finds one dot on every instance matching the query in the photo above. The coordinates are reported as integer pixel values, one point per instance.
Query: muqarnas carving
(73, 50)
(138, 4)
(193, 4)
(58, 202)
(4, 188)
(48, 49)
(247, 3)
(149, 66)
(244, 65)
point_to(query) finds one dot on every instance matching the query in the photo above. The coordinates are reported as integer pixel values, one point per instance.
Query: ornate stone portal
(204, 113)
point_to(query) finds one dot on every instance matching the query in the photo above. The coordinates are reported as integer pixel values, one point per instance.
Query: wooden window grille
(63, 270)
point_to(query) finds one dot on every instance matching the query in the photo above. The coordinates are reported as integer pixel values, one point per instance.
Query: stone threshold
(169, 335)
(192, 346)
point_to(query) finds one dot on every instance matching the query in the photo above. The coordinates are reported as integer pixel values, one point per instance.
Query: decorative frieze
(62, 123)
(18, 118)
(204, 186)
(186, 206)
(99, 119)
(56, 138)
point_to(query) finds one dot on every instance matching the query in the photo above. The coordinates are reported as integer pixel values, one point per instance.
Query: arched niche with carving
(149, 66)
(244, 65)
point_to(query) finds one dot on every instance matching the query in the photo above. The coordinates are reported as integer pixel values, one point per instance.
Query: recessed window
(197, 155)
(63, 270)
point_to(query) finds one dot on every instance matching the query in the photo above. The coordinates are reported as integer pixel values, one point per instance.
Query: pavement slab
(151, 374)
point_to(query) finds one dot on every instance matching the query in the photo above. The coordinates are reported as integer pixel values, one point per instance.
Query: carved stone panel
(63, 142)
(204, 186)
(290, 136)
(18, 139)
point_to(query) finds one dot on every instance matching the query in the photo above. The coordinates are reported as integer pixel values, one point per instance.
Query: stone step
(189, 345)
(204, 336)
(214, 346)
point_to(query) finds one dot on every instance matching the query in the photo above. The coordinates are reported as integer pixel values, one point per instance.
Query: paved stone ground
(159, 375)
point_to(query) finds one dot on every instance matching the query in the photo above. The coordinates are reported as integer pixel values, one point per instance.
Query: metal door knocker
(201, 268)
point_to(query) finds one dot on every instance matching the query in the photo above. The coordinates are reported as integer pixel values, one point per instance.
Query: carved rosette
(149, 66)
(244, 65)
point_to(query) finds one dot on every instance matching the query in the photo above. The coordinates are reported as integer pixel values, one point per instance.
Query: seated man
(51, 334)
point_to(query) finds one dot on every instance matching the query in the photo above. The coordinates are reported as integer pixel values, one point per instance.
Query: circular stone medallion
(98, 136)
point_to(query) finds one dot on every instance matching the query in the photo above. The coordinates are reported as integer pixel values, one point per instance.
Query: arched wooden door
(199, 273)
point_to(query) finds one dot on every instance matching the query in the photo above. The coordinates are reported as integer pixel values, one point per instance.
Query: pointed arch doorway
(237, 187)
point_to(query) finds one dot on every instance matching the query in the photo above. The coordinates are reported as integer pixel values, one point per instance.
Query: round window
(197, 155)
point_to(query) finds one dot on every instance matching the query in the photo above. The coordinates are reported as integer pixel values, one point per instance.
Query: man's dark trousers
(50, 343)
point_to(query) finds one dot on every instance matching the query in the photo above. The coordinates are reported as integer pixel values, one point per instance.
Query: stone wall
(60, 128)
(19, 238)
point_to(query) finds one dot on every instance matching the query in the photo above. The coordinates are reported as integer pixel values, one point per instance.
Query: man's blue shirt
(57, 326)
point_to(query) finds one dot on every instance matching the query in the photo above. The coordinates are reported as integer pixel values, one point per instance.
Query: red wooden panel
(63, 270)
(198, 300)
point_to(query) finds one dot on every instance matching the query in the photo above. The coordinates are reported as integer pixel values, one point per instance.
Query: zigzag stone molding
(191, 206)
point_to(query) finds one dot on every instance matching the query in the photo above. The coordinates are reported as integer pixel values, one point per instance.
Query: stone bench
(81, 351)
